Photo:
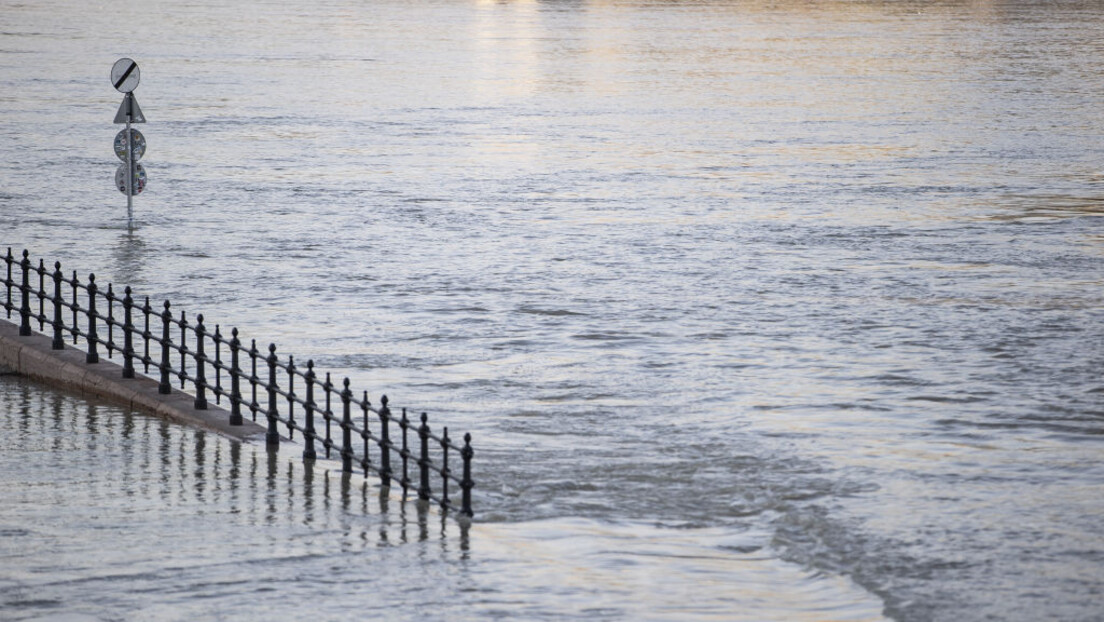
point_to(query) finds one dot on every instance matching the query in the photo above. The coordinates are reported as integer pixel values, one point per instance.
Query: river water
(755, 310)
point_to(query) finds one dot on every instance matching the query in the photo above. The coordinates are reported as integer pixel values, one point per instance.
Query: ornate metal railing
(154, 332)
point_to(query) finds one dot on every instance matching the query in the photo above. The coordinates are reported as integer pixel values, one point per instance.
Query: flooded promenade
(757, 310)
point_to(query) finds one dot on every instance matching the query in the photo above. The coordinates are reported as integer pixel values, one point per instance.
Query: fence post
(8, 282)
(164, 387)
(128, 338)
(25, 306)
(385, 443)
(235, 386)
(466, 483)
(76, 306)
(328, 414)
(59, 341)
(309, 453)
(346, 430)
(201, 377)
(291, 396)
(444, 468)
(423, 460)
(273, 437)
(253, 380)
(92, 337)
(365, 435)
(41, 294)
(404, 424)
(147, 336)
(111, 347)
(183, 372)
(218, 365)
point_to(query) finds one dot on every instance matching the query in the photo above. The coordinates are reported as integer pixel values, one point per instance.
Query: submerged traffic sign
(139, 181)
(125, 75)
(129, 111)
(138, 146)
(130, 145)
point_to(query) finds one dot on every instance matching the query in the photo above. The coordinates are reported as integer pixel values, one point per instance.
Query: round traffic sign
(124, 75)
(139, 178)
(138, 146)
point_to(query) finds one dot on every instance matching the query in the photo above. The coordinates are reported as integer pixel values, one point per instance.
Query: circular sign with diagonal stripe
(124, 75)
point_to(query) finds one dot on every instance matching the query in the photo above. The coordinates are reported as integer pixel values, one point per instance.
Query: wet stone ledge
(32, 356)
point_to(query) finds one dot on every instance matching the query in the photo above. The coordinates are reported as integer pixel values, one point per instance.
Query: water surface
(826, 276)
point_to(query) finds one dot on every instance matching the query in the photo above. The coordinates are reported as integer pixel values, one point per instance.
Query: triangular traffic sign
(129, 107)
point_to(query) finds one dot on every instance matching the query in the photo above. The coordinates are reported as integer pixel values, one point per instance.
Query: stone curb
(33, 357)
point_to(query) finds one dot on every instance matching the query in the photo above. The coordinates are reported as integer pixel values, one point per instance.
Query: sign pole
(130, 172)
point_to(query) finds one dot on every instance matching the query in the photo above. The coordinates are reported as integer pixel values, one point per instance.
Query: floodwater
(755, 310)
(115, 515)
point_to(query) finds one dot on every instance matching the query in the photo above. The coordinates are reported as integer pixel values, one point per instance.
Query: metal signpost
(130, 145)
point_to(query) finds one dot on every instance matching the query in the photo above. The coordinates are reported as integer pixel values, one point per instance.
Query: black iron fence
(147, 335)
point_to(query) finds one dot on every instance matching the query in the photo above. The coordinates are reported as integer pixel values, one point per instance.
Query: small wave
(603, 336)
(458, 310)
(944, 399)
(552, 312)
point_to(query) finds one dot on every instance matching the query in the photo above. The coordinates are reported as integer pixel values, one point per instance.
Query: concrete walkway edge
(33, 357)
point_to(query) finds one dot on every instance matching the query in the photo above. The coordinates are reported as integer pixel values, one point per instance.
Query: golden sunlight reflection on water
(644, 572)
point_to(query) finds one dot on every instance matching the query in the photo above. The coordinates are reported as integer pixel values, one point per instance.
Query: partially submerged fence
(153, 333)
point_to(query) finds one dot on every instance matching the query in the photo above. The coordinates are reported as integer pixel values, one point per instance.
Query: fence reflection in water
(22, 296)
(161, 474)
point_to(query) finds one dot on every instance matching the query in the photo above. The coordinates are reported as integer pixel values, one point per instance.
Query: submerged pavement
(32, 356)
